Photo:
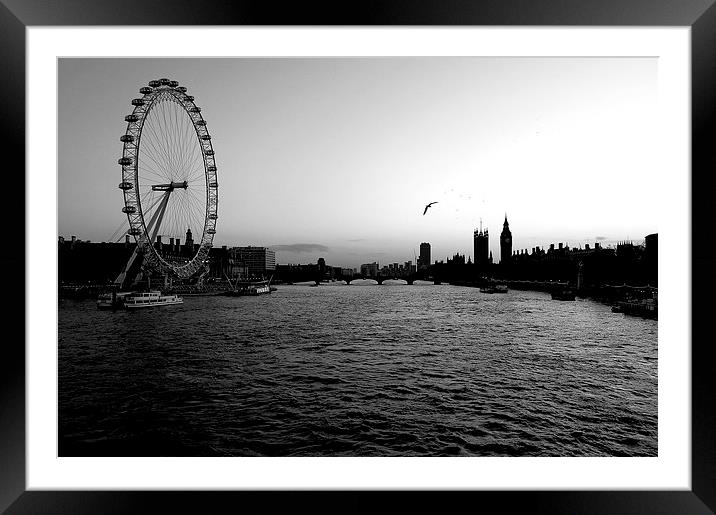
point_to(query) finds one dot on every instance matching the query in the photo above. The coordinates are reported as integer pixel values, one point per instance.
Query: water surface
(359, 370)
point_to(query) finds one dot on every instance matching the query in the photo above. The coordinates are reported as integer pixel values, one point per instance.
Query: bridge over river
(380, 278)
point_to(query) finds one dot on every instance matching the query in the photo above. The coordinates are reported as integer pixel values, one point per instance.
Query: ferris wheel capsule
(126, 138)
(138, 102)
(131, 118)
(154, 83)
(188, 98)
(181, 89)
(125, 185)
(164, 82)
(124, 161)
(145, 90)
(173, 84)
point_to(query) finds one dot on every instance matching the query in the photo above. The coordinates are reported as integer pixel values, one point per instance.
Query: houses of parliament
(627, 261)
(481, 242)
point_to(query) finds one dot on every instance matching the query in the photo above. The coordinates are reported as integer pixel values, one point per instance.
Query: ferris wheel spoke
(152, 150)
(147, 169)
(188, 161)
(178, 150)
(186, 218)
(179, 126)
(189, 219)
(185, 142)
(158, 145)
(194, 171)
(167, 114)
(184, 136)
(180, 215)
(200, 203)
(167, 136)
(150, 177)
(197, 206)
(161, 136)
(156, 148)
(191, 159)
(197, 175)
(150, 164)
(181, 163)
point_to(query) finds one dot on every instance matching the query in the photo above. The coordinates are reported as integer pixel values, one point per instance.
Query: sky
(337, 157)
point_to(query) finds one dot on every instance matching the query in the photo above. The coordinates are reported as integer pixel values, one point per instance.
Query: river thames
(359, 370)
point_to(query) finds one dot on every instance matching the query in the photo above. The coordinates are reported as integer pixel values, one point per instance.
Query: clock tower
(505, 243)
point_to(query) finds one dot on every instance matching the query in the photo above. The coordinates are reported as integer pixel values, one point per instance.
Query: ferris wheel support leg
(160, 211)
(119, 281)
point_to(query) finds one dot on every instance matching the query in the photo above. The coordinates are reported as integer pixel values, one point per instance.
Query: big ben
(505, 243)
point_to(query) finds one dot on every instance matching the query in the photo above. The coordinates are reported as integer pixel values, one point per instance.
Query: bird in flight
(426, 207)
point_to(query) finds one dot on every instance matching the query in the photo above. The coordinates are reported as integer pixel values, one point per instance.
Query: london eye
(169, 181)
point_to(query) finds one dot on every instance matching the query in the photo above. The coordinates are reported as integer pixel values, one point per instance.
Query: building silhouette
(189, 239)
(321, 266)
(481, 240)
(369, 270)
(505, 243)
(252, 261)
(424, 259)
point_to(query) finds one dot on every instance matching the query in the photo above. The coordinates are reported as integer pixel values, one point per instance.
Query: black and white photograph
(358, 256)
(310, 259)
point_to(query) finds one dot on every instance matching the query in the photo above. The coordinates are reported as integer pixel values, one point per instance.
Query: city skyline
(607, 244)
(336, 158)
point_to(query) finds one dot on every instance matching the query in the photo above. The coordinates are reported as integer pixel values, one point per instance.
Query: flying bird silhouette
(426, 207)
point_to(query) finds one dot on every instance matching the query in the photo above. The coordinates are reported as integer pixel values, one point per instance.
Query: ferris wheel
(169, 181)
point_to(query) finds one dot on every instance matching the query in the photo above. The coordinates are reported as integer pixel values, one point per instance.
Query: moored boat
(494, 288)
(112, 300)
(150, 299)
(249, 288)
(564, 294)
(646, 308)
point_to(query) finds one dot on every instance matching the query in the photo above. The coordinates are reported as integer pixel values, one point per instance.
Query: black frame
(700, 15)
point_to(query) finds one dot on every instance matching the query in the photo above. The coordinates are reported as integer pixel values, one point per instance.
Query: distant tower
(424, 259)
(505, 243)
(481, 241)
(189, 242)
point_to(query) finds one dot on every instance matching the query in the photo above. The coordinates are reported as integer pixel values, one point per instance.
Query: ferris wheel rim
(156, 92)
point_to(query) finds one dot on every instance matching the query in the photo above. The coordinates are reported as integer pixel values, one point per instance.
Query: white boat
(150, 299)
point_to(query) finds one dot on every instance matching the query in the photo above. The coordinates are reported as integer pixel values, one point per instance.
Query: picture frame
(16, 16)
